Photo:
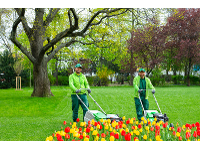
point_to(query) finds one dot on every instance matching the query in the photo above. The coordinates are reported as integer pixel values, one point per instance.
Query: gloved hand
(153, 91)
(89, 91)
(78, 91)
(140, 90)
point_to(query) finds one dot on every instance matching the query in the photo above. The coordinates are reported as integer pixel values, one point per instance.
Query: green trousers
(75, 105)
(138, 106)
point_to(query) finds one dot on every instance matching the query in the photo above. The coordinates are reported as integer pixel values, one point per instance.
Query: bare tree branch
(58, 48)
(14, 40)
(24, 22)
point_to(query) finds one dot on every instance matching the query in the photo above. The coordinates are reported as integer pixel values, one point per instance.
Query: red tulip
(133, 127)
(157, 132)
(193, 125)
(128, 121)
(174, 133)
(88, 136)
(103, 135)
(59, 137)
(95, 123)
(67, 129)
(188, 134)
(187, 125)
(198, 132)
(157, 127)
(136, 138)
(190, 126)
(89, 122)
(116, 136)
(128, 137)
(98, 134)
(67, 136)
(139, 126)
(120, 126)
(195, 134)
(117, 127)
(165, 125)
(81, 137)
(77, 120)
(180, 138)
(88, 130)
(53, 134)
(73, 140)
(197, 124)
(179, 129)
(152, 128)
(89, 125)
(123, 133)
(64, 122)
(100, 127)
(112, 133)
(99, 122)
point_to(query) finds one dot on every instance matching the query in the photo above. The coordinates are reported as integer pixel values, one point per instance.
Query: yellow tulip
(86, 139)
(110, 129)
(106, 127)
(134, 131)
(124, 126)
(131, 132)
(91, 129)
(84, 134)
(75, 134)
(109, 121)
(177, 134)
(145, 137)
(94, 132)
(114, 131)
(145, 121)
(71, 130)
(153, 123)
(135, 127)
(74, 124)
(131, 121)
(102, 139)
(101, 120)
(76, 129)
(114, 124)
(137, 132)
(183, 126)
(198, 139)
(142, 118)
(92, 122)
(62, 133)
(82, 124)
(96, 139)
(50, 138)
(136, 139)
(170, 128)
(136, 122)
(147, 128)
(98, 126)
(150, 139)
(141, 122)
(127, 130)
(140, 130)
(123, 117)
(112, 138)
(157, 138)
(155, 119)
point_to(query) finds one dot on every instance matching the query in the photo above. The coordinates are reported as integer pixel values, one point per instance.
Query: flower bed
(126, 130)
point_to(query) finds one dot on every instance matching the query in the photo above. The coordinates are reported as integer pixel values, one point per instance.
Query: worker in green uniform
(141, 85)
(77, 81)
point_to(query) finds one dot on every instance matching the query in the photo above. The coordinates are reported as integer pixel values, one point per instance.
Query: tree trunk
(41, 80)
(188, 73)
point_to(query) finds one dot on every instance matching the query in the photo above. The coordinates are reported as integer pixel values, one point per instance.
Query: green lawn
(24, 118)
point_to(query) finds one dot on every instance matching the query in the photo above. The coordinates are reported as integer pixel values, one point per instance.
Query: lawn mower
(151, 114)
(96, 114)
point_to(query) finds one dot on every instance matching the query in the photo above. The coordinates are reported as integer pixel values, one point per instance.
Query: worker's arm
(86, 83)
(71, 83)
(135, 84)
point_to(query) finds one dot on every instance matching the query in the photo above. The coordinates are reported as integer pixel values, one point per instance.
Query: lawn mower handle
(154, 98)
(94, 100)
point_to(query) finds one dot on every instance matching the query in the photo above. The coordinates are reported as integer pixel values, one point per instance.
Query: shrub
(52, 79)
(90, 80)
(63, 80)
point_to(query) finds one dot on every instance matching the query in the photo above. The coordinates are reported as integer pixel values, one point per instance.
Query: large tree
(147, 46)
(37, 37)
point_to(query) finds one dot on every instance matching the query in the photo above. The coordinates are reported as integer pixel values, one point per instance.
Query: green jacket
(78, 81)
(136, 84)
